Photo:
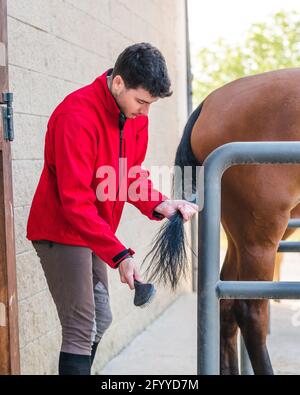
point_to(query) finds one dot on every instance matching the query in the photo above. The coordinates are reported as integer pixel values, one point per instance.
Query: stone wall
(55, 47)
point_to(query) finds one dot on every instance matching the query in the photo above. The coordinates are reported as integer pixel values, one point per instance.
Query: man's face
(132, 102)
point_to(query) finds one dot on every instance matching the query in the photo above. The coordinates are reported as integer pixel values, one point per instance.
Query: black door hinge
(7, 115)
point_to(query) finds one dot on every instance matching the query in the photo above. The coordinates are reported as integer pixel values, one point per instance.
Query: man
(71, 226)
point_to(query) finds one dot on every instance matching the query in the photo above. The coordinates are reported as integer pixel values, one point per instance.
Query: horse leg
(228, 325)
(256, 264)
(295, 213)
(256, 237)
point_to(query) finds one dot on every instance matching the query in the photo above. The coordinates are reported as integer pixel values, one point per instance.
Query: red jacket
(83, 133)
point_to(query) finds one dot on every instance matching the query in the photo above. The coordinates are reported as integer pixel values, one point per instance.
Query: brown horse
(257, 200)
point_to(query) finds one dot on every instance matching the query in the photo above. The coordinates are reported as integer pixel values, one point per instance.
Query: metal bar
(289, 246)
(294, 223)
(209, 236)
(258, 290)
(208, 307)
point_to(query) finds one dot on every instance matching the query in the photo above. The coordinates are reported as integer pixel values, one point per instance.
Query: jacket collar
(105, 95)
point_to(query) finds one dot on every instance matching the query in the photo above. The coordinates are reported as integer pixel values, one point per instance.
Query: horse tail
(168, 254)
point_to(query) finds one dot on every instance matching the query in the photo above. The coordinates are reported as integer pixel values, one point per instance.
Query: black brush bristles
(144, 294)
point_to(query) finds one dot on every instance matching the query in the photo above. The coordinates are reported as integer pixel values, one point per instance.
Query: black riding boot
(74, 364)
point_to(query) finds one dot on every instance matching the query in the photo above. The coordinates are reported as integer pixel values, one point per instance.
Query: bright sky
(229, 19)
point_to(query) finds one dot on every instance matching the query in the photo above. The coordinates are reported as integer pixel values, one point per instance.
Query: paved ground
(168, 346)
(284, 340)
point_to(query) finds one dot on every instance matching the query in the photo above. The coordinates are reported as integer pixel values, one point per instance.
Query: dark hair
(142, 65)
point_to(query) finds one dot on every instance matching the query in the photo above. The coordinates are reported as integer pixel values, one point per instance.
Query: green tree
(269, 45)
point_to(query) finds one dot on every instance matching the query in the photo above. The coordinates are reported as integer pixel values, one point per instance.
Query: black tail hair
(169, 258)
(184, 154)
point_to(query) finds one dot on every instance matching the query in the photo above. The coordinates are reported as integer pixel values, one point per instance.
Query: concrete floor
(284, 340)
(169, 345)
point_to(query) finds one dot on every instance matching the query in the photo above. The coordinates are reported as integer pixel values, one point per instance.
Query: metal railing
(210, 288)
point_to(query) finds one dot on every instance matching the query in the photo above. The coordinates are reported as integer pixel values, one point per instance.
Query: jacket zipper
(120, 164)
(121, 128)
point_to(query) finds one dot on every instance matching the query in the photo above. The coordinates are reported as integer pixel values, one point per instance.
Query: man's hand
(169, 207)
(129, 271)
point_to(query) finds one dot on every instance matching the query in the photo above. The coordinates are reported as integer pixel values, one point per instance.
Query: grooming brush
(144, 293)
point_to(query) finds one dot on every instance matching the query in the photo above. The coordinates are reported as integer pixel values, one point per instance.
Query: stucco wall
(55, 47)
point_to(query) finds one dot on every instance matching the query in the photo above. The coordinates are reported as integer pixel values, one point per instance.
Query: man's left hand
(169, 207)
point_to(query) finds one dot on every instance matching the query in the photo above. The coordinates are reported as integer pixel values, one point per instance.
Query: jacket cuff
(117, 259)
(157, 215)
(154, 214)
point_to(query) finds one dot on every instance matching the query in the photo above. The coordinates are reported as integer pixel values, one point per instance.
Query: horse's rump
(263, 107)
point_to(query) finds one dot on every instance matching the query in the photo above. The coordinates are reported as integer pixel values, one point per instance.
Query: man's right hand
(129, 271)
